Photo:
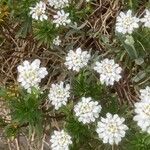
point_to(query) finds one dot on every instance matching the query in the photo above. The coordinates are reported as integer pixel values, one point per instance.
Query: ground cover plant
(75, 75)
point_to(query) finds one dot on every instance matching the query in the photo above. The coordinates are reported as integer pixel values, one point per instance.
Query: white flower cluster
(38, 12)
(111, 129)
(126, 22)
(78, 59)
(142, 110)
(57, 4)
(109, 71)
(30, 74)
(61, 18)
(146, 18)
(59, 94)
(145, 94)
(87, 110)
(57, 41)
(60, 140)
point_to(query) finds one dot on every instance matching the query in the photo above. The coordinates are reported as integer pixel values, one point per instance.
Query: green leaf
(44, 32)
(139, 76)
(130, 49)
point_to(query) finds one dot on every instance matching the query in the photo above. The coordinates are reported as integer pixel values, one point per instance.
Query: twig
(17, 145)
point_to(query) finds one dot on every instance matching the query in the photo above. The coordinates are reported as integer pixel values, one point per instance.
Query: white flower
(142, 110)
(60, 140)
(126, 23)
(77, 60)
(57, 4)
(109, 71)
(38, 12)
(57, 41)
(61, 18)
(111, 129)
(87, 110)
(30, 74)
(146, 19)
(145, 94)
(59, 94)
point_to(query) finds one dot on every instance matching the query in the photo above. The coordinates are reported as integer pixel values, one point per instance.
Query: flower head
(126, 23)
(142, 110)
(59, 94)
(145, 94)
(109, 71)
(60, 140)
(57, 4)
(111, 129)
(87, 110)
(57, 41)
(61, 18)
(38, 12)
(30, 74)
(146, 18)
(77, 60)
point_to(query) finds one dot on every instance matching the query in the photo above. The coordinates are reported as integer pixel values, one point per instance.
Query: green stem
(113, 147)
(130, 3)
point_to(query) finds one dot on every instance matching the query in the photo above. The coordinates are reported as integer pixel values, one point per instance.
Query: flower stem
(113, 147)
(130, 3)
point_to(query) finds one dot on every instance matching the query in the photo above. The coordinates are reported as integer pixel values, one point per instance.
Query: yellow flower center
(112, 128)
(30, 74)
(108, 69)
